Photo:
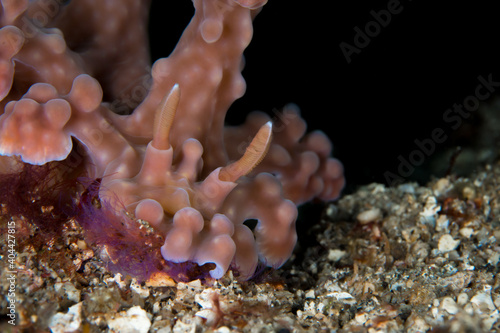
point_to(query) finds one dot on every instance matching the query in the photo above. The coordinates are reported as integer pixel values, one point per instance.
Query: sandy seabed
(383, 259)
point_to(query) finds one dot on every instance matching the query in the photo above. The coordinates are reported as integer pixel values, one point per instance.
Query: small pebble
(67, 322)
(336, 254)
(134, 320)
(368, 216)
(310, 294)
(447, 243)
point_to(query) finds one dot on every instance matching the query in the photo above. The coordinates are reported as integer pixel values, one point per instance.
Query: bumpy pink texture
(58, 82)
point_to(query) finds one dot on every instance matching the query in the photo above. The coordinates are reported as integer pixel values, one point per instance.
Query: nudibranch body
(170, 161)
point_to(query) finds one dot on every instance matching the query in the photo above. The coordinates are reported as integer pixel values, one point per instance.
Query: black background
(394, 91)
